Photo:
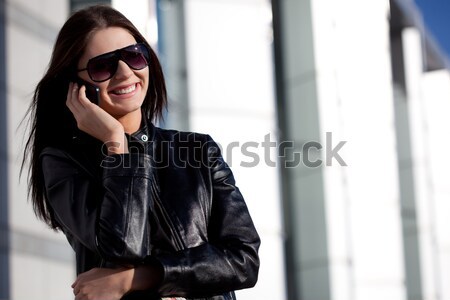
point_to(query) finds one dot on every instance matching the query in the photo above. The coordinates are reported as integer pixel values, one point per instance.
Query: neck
(131, 122)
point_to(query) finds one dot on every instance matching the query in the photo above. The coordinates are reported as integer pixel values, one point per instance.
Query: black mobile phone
(92, 91)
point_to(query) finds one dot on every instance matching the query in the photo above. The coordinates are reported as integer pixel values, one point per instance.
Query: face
(121, 95)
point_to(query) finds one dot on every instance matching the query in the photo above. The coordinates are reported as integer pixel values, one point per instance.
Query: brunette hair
(51, 122)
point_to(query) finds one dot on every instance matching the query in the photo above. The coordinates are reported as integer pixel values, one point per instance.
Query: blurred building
(331, 113)
(368, 74)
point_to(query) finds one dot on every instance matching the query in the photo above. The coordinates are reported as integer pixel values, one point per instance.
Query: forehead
(107, 40)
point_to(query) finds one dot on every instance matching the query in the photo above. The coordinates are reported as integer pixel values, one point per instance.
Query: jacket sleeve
(229, 260)
(98, 212)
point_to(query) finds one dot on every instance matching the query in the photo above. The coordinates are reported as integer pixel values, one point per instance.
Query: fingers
(82, 96)
(69, 95)
(72, 98)
(74, 284)
(76, 96)
(76, 289)
(100, 283)
(77, 102)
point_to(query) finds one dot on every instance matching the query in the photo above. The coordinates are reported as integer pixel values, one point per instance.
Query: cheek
(145, 84)
(144, 76)
(145, 87)
(103, 94)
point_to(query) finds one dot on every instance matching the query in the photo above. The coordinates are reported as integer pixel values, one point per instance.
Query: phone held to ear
(92, 91)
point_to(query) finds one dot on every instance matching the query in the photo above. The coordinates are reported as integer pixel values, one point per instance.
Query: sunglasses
(104, 66)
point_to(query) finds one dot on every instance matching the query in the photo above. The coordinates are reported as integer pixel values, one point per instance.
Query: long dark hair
(51, 122)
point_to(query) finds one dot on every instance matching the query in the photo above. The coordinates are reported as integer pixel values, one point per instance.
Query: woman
(150, 213)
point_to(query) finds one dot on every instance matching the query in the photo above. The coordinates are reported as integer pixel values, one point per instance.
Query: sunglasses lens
(135, 56)
(102, 68)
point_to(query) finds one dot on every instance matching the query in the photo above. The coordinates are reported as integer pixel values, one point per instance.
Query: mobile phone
(92, 91)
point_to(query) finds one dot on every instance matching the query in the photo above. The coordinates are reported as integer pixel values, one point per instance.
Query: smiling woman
(142, 225)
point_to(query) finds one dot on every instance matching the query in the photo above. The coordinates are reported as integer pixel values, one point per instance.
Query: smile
(126, 90)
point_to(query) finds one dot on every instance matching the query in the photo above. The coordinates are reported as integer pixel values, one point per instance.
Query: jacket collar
(140, 138)
(145, 134)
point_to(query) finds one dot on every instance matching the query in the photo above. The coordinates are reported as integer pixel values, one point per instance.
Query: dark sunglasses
(104, 66)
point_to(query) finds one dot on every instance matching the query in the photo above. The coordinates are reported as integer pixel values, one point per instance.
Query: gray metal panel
(306, 250)
(172, 54)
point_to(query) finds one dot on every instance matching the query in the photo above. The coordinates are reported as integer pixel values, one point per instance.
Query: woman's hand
(103, 283)
(95, 121)
(112, 284)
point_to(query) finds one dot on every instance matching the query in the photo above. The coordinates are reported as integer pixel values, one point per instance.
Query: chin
(122, 110)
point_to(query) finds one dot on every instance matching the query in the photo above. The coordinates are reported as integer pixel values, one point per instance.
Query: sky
(436, 15)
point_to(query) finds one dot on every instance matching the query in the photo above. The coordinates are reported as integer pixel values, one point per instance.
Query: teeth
(125, 91)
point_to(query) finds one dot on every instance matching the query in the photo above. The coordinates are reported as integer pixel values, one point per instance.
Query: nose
(123, 70)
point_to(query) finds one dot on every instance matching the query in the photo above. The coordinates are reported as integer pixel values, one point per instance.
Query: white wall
(435, 92)
(355, 100)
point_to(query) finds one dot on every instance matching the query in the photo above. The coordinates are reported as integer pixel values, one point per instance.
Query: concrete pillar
(298, 113)
(172, 54)
(406, 177)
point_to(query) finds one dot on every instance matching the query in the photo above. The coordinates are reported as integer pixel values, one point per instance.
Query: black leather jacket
(171, 201)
